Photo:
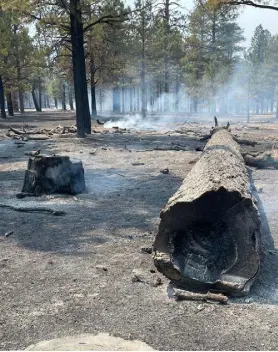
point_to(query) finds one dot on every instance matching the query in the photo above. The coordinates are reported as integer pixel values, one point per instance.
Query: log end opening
(210, 243)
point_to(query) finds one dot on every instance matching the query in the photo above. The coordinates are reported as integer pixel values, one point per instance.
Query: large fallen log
(209, 234)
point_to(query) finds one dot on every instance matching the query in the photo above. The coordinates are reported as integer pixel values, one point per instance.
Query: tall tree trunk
(277, 109)
(64, 107)
(123, 99)
(18, 71)
(248, 100)
(177, 95)
(47, 101)
(71, 98)
(40, 94)
(21, 101)
(131, 98)
(37, 106)
(271, 105)
(195, 104)
(166, 55)
(56, 102)
(138, 99)
(10, 104)
(257, 106)
(15, 101)
(2, 99)
(93, 85)
(116, 100)
(100, 98)
(143, 68)
(83, 118)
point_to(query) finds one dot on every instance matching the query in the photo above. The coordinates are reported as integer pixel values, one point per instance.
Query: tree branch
(251, 3)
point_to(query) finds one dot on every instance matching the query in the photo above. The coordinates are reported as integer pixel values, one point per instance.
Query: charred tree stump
(209, 234)
(53, 174)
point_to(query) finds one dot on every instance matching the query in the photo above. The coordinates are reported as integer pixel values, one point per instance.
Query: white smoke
(131, 121)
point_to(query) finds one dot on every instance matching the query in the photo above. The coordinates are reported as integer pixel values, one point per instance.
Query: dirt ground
(53, 282)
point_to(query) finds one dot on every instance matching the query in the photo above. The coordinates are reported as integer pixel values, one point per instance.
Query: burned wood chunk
(53, 174)
(209, 235)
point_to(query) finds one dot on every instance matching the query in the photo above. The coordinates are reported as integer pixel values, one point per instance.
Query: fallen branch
(100, 122)
(245, 141)
(33, 210)
(265, 160)
(144, 150)
(25, 194)
(205, 138)
(7, 234)
(37, 137)
(93, 152)
(181, 295)
(15, 131)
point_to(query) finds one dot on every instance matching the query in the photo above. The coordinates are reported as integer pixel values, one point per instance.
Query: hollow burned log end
(209, 235)
(53, 174)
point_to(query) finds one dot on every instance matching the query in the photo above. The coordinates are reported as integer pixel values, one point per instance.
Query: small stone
(94, 295)
(102, 267)
(7, 234)
(145, 277)
(157, 281)
(147, 250)
(164, 171)
(249, 300)
(137, 163)
(200, 307)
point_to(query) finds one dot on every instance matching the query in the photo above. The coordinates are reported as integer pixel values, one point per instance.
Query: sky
(249, 19)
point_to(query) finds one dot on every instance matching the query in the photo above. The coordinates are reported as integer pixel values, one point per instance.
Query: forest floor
(72, 274)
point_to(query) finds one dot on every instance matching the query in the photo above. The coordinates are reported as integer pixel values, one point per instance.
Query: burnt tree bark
(37, 106)
(10, 104)
(83, 118)
(93, 85)
(15, 102)
(56, 102)
(40, 93)
(64, 107)
(53, 174)
(143, 65)
(21, 101)
(2, 99)
(18, 71)
(166, 54)
(209, 235)
(71, 98)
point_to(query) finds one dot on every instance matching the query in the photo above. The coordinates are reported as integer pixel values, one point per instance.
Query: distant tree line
(153, 54)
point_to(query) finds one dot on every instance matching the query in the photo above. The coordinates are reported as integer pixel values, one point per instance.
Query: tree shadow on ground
(117, 208)
(265, 287)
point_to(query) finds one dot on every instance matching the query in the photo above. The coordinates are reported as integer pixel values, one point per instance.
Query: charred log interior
(209, 235)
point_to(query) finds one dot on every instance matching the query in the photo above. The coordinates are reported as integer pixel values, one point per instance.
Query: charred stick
(33, 210)
(182, 295)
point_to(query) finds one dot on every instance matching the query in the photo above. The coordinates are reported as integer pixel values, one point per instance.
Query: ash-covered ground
(73, 274)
